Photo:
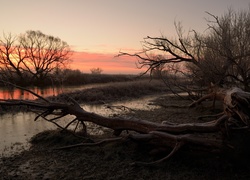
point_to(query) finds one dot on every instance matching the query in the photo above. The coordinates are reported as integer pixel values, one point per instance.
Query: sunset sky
(97, 30)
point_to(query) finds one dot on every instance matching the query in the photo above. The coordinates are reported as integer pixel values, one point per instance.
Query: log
(209, 136)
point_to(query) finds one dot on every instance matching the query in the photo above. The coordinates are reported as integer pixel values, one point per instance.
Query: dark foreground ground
(114, 160)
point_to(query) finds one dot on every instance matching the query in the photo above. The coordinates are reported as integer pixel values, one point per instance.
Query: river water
(15, 93)
(16, 129)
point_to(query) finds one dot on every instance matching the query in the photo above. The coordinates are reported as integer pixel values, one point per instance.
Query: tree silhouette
(32, 55)
(220, 55)
(96, 70)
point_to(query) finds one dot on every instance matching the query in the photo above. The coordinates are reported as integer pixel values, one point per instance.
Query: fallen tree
(213, 136)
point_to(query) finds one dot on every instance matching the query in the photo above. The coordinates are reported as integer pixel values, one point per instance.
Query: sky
(97, 30)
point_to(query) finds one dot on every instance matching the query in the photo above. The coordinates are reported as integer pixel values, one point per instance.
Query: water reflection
(121, 107)
(15, 93)
(17, 129)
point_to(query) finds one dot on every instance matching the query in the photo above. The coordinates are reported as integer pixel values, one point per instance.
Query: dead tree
(213, 136)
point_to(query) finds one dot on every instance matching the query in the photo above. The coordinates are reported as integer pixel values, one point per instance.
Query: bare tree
(228, 43)
(220, 55)
(183, 50)
(218, 135)
(10, 65)
(96, 70)
(33, 54)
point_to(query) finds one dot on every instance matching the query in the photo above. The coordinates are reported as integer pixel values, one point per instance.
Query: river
(16, 129)
(16, 93)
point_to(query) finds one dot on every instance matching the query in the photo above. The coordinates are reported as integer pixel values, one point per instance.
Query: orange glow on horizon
(110, 64)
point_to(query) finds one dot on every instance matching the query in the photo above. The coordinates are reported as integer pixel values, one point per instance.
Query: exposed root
(178, 145)
(208, 96)
(210, 116)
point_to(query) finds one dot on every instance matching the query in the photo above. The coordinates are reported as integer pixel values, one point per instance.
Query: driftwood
(213, 136)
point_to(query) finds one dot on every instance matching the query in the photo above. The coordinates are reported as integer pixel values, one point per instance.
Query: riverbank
(113, 92)
(98, 93)
(113, 160)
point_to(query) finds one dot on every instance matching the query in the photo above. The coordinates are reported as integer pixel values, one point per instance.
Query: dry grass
(115, 92)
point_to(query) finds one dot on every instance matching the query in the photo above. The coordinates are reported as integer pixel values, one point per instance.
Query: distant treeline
(76, 77)
(69, 77)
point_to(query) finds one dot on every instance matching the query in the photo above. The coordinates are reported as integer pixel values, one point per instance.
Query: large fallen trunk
(208, 136)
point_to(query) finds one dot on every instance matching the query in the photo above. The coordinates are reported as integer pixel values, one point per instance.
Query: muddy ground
(115, 160)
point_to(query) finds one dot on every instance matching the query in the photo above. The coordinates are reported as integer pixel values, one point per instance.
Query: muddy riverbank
(114, 160)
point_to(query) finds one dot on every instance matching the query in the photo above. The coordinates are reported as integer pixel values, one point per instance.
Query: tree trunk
(216, 135)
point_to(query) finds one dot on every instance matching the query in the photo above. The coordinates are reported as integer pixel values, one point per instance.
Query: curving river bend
(16, 129)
